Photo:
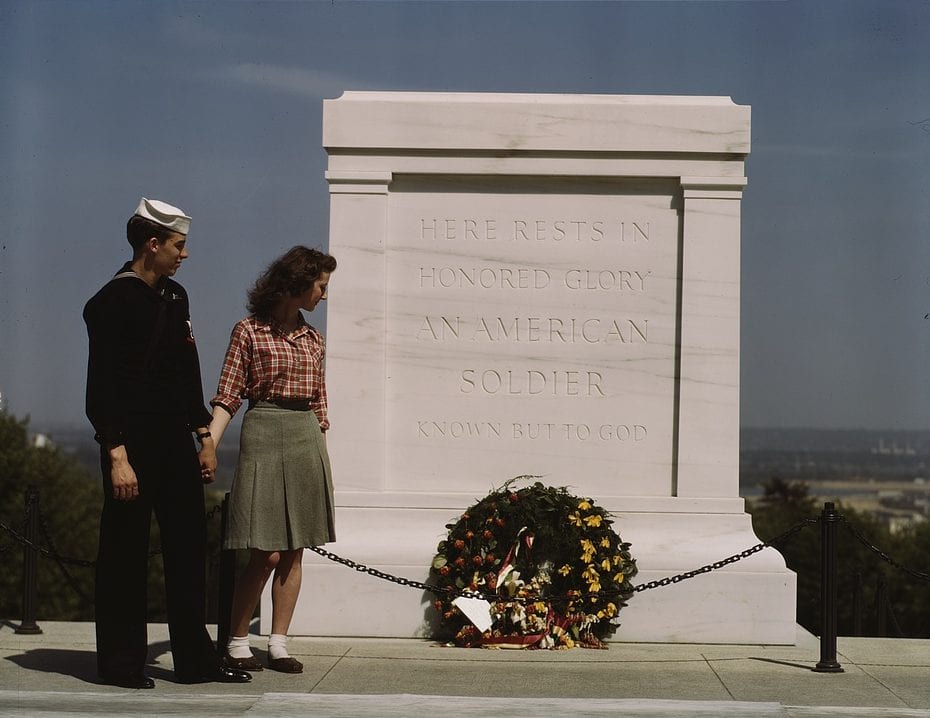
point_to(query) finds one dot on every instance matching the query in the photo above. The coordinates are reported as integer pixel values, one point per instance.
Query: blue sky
(216, 107)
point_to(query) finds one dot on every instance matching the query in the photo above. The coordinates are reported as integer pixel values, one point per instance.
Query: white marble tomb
(549, 285)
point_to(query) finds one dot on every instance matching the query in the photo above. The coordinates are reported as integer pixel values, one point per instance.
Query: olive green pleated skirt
(282, 493)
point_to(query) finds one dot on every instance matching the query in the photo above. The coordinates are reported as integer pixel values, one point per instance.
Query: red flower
(469, 535)
(459, 544)
(444, 571)
(475, 560)
(488, 535)
(459, 562)
(489, 558)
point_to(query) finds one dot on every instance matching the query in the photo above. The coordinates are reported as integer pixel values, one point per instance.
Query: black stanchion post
(30, 564)
(828, 520)
(227, 584)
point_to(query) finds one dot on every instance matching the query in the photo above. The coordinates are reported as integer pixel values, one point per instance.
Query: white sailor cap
(164, 214)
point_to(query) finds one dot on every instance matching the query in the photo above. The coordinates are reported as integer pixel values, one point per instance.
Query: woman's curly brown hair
(291, 274)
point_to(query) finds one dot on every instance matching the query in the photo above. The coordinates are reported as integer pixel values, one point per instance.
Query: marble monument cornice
(385, 121)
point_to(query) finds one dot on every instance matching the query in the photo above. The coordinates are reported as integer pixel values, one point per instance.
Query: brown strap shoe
(286, 665)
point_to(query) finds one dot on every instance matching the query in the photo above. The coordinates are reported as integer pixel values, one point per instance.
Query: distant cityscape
(884, 473)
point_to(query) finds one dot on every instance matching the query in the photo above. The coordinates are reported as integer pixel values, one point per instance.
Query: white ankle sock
(277, 646)
(238, 647)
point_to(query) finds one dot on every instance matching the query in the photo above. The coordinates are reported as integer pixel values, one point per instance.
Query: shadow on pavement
(82, 664)
(781, 663)
(79, 664)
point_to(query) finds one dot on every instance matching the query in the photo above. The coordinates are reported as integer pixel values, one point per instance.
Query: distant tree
(792, 496)
(874, 598)
(893, 602)
(69, 501)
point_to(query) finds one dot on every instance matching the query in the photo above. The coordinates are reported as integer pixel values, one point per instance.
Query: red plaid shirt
(262, 364)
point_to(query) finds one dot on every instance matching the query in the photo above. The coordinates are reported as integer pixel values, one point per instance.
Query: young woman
(282, 495)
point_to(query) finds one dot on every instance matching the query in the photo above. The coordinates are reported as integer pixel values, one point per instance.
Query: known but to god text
(455, 429)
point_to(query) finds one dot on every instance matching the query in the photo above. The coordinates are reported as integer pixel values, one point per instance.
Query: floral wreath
(555, 573)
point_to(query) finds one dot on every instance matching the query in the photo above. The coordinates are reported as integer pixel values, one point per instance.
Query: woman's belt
(289, 404)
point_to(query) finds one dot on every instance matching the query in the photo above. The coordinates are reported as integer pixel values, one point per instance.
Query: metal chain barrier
(13, 533)
(43, 525)
(493, 597)
(50, 552)
(883, 556)
(35, 521)
(781, 538)
(450, 592)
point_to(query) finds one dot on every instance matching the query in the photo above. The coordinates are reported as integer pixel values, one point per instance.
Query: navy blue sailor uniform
(144, 391)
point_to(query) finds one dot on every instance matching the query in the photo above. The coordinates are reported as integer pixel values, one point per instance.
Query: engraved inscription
(552, 330)
(620, 280)
(473, 229)
(464, 229)
(553, 285)
(531, 382)
(541, 230)
(484, 278)
(459, 429)
(622, 434)
(615, 280)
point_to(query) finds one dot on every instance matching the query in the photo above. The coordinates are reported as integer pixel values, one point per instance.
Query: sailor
(145, 401)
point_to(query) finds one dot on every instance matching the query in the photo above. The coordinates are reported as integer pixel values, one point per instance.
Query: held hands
(207, 457)
(209, 438)
(122, 476)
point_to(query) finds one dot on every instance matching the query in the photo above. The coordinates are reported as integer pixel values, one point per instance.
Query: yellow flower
(584, 505)
(565, 570)
(611, 610)
(590, 574)
(619, 578)
(540, 606)
(605, 542)
(605, 564)
(593, 520)
(594, 586)
(575, 519)
(587, 550)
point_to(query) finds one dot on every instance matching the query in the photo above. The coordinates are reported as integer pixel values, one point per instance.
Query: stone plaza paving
(53, 674)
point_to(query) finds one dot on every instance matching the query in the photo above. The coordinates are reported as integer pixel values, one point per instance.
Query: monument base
(751, 601)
